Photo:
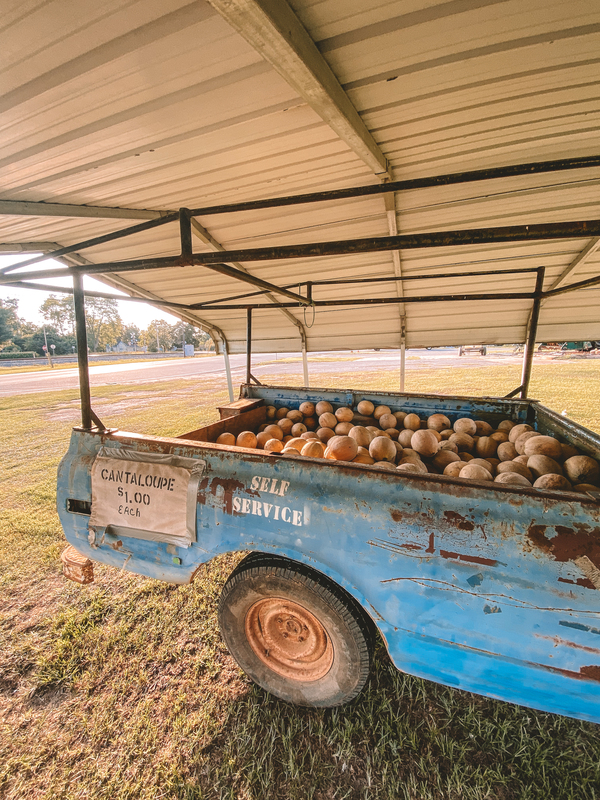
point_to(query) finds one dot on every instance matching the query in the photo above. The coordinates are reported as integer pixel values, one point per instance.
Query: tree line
(105, 330)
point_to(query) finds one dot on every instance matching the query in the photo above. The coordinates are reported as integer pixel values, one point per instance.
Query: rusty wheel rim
(289, 639)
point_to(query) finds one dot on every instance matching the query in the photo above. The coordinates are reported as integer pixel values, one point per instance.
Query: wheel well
(278, 561)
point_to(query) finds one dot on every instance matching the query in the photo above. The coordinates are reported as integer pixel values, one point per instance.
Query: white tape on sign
(146, 492)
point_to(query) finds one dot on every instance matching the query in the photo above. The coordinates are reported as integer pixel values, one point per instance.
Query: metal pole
(228, 372)
(248, 345)
(305, 365)
(531, 333)
(402, 364)
(46, 347)
(82, 352)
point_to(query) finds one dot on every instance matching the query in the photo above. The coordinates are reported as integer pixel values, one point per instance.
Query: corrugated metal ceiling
(159, 105)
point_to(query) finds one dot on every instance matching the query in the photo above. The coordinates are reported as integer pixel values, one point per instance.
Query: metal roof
(121, 111)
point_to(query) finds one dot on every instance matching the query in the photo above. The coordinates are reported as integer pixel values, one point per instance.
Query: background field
(123, 689)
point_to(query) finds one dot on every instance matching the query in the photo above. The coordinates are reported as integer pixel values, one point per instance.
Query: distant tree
(159, 335)
(192, 335)
(9, 321)
(103, 322)
(60, 313)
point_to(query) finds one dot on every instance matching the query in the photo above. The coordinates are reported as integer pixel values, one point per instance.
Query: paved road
(190, 368)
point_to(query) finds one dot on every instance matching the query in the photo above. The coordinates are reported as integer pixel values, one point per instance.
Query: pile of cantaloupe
(512, 453)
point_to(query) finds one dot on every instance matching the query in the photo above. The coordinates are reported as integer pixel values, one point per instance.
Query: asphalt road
(190, 368)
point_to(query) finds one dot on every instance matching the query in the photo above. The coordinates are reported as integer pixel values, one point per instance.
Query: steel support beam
(531, 333)
(513, 233)
(274, 31)
(248, 345)
(228, 372)
(42, 209)
(448, 179)
(82, 352)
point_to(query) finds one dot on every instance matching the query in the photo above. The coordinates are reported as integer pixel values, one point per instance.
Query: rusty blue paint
(471, 585)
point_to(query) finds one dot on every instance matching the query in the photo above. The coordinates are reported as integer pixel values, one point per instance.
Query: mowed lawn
(124, 689)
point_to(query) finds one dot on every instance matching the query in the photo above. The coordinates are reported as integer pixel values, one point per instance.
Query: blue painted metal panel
(472, 585)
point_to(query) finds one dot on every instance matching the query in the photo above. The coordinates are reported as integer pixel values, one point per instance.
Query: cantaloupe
(582, 469)
(517, 430)
(463, 441)
(325, 434)
(465, 425)
(226, 438)
(514, 466)
(385, 465)
(343, 448)
(286, 425)
(274, 431)
(506, 451)
(522, 440)
(309, 435)
(327, 420)
(361, 435)
(262, 438)
(314, 449)
(381, 410)
(246, 439)
(405, 436)
(585, 487)
(453, 469)
(361, 458)
(344, 414)
(424, 442)
(310, 422)
(307, 408)
(506, 425)
(400, 415)
(408, 466)
(298, 443)
(343, 428)
(387, 421)
(365, 408)
(473, 472)
(443, 458)
(568, 451)
(393, 433)
(486, 447)
(499, 436)
(281, 413)
(552, 482)
(438, 422)
(511, 478)
(273, 446)
(543, 465)
(412, 422)
(543, 446)
(483, 428)
(323, 407)
(382, 449)
(295, 415)
(271, 412)
(298, 429)
(482, 462)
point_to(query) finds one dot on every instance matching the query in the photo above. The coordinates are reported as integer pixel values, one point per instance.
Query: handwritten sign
(148, 492)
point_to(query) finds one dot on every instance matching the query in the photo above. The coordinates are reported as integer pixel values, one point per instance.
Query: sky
(30, 300)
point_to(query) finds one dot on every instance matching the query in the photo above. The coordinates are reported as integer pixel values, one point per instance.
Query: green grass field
(123, 689)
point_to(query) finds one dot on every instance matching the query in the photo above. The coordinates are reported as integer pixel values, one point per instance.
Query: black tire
(296, 633)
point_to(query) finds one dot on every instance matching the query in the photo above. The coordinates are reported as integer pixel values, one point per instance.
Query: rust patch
(486, 562)
(410, 546)
(558, 642)
(459, 521)
(592, 672)
(568, 544)
(210, 487)
(585, 582)
(431, 547)
(396, 515)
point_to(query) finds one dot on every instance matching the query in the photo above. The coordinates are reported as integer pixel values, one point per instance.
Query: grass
(123, 689)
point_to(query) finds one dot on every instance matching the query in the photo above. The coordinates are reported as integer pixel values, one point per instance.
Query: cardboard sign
(145, 492)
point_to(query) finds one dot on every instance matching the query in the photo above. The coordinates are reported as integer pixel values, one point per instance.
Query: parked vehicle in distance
(472, 348)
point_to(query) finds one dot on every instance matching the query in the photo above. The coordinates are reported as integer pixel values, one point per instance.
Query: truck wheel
(295, 633)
